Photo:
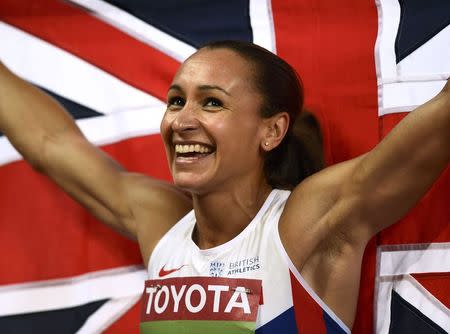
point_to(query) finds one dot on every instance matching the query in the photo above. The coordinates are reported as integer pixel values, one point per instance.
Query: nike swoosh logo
(163, 272)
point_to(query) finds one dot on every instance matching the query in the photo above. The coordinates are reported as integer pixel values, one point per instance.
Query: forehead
(221, 67)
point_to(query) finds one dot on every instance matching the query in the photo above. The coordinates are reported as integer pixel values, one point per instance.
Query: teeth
(192, 148)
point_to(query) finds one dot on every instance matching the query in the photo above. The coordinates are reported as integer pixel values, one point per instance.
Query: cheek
(237, 138)
(243, 127)
(165, 131)
(164, 127)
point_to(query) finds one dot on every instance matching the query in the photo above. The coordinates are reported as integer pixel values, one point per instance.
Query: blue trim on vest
(284, 323)
(332, 326)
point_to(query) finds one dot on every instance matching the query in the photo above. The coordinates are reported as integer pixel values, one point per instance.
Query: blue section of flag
(419, 22)
(61, 321)
(284, 323)
(195, 22)
(405, 318)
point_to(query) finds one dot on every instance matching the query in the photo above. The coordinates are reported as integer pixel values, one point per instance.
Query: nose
(185, 120)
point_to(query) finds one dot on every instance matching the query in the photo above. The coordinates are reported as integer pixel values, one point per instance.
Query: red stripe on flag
(331, 45)
(308, 314)
(97, 42)
(438, 284)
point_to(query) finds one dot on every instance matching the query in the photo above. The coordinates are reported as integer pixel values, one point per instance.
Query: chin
(191, 183)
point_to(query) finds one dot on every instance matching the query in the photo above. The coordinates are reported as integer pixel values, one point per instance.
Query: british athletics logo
(216, 268)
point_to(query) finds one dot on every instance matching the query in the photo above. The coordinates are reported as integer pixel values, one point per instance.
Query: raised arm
(373, 191)
(392, 178)
(331, 216)
(47, 137)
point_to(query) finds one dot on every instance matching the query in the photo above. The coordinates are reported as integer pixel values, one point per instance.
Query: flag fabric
(364, 64)
(413, 257)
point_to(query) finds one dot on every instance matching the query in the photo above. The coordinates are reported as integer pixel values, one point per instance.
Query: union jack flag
(365, 64)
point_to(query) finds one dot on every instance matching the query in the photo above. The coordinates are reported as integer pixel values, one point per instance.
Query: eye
(175, 101)
(213, 102)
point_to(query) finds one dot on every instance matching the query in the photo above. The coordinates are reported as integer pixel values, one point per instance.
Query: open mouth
(193, 151)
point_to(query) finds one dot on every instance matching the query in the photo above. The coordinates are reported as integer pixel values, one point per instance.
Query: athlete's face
(212, 130)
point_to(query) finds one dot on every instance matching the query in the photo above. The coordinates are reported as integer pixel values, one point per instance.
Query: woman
(228, 133)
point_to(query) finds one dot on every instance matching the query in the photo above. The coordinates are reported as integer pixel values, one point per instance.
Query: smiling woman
(231, 77)
(251, 237)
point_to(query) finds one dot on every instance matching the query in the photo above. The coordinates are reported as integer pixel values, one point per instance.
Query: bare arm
(378, 188)
(331, 216)
(393, 177)
(43, 132)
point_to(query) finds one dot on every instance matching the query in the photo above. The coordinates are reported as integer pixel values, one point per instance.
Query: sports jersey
(248, 284)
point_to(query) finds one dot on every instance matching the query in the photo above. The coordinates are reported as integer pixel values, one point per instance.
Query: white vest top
(289, 305)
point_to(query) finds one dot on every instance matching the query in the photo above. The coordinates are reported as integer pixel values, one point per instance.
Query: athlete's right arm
(48, 138)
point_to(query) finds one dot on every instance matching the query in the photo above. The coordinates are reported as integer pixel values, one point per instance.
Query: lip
(189, 161)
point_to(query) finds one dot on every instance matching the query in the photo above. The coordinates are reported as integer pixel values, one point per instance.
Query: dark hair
(300, 153)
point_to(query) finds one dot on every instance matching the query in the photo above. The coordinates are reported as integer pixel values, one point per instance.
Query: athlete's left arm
(390, 179)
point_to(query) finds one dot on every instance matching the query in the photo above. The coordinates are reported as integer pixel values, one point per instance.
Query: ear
(274, 130)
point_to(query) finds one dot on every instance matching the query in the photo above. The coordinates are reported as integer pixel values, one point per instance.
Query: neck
(222, 215)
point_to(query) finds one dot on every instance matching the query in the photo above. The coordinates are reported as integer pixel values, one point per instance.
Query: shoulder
(156, 206)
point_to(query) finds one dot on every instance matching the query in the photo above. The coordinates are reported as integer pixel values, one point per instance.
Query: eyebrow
(202, 87)
(209, 87)
(175, 87)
